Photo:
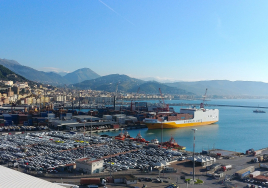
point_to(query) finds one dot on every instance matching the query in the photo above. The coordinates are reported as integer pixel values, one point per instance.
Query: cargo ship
(186, 118)
(258, 111)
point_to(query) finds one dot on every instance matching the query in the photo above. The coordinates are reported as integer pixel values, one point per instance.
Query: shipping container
(116, 126)
(88, 181)
(245, 174)
(7, 117)
(43, 114)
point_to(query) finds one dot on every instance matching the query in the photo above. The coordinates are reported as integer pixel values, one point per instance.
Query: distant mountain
(127, 84)
(161, 80)
(32, 74)
(224, 87)
(6, 74)
(48, 77)
(62, 73)
(153, 88)
(109, 83)
(81, 75)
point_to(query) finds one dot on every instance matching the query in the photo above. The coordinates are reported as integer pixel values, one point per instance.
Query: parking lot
(43, 152)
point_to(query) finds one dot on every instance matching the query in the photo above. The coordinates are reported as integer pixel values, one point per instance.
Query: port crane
(115, 94)
(165, 106)
(204, 98)
(134, 101)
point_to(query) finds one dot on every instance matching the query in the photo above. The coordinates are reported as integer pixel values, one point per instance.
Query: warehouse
(13, 178)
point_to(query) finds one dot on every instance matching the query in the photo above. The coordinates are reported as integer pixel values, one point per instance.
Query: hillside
(127, 84)
(49, 77)
(32, 74)
(109, 83)
(224, 87)
(6, 74)
(152, 87)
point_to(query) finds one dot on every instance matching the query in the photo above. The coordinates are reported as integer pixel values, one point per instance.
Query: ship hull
(172, 125)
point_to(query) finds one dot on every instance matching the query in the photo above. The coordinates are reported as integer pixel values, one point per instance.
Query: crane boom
(165, 106)
(204, 98)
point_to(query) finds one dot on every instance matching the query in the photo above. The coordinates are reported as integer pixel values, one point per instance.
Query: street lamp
(193, 153)
(84, 136)
(91, 124)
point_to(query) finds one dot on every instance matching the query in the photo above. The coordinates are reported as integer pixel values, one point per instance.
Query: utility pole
(193, 154)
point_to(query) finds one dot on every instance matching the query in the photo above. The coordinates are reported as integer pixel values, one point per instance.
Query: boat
(258, 111)
(123, 136)
(139, 138)
(173, 144)
(186, 118)
(155, 141)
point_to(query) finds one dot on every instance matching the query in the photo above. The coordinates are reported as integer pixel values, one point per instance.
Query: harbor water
(238, 128)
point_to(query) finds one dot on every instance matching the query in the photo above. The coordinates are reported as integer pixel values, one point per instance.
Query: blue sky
(167, 39)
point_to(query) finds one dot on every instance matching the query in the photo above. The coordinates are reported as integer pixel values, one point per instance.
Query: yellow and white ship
(200, 116)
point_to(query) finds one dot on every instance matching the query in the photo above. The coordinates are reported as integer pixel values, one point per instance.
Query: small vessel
(173, 144)
(258, 111)
(123, 136)
(155, 141)
(139, 138)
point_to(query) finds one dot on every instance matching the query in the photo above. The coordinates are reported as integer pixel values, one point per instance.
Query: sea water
(238, 128)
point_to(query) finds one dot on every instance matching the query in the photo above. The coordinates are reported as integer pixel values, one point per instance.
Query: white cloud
(52, 69)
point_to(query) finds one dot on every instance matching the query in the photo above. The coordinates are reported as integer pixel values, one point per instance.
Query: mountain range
(85, 78)
(8, 75)
(224, 87)
(127, 84)
(49, 77)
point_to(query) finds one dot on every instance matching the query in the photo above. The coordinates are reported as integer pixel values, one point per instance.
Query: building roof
(89, 161)
(13, 178)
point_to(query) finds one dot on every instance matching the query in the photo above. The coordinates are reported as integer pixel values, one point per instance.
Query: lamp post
(84, 136)
(162, 119)
(111, 159)
(193, 154)
(91, 124)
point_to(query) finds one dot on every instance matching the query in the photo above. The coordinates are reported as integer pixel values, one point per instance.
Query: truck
(258, 152)
(254, 174)
(264, 166)
(245, 172)
(218, 176)
(226, 167)
(91, 181)
(214, 167)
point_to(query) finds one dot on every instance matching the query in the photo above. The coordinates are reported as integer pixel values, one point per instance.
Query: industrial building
(89, 166)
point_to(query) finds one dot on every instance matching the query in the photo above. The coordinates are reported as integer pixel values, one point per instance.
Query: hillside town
(21, 93)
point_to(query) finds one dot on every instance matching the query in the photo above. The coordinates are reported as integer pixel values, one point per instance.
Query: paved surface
(184, 168)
